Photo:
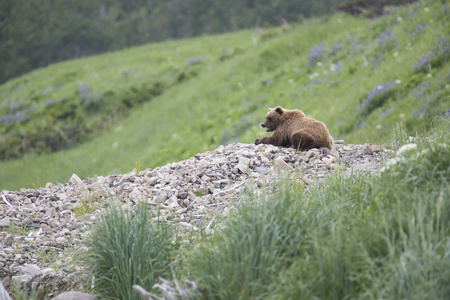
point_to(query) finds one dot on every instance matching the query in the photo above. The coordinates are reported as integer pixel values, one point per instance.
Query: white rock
(136, 195)
(281, 165)
(173, 206)
(74, 296)
(31, 270)
(242, 167)
(75, 180)
(334, 153)
(5, 222)
(304, 158)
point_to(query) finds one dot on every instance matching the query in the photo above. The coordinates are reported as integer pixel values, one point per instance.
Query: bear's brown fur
(292, 128)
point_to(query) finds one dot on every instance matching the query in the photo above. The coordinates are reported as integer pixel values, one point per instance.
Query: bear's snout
(265, 126)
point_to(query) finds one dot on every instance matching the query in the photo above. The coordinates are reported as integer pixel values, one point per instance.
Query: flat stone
(242, 167)
(31, 270)
(61, 240)
(334, 153)
(244, 160)
(281, 165)
(5, 222)
(261, 170)
(74, 296)
(364, 167)
(327, 161)
(136, 195)
(304, 158)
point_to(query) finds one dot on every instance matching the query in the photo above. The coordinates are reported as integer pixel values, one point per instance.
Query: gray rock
(75, 180)
(61, 240)
(334, 153)
(5, 222)
(364, 167)
(242, 167)
(136, 195)
(31, 270)
(303, 158)
(281, 165)
(261, 170)
(74, 296)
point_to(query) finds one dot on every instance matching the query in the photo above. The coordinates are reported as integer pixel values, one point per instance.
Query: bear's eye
(269, 119)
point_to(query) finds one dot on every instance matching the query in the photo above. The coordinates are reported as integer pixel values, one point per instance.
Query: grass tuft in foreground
(126, 248)
(243, 259)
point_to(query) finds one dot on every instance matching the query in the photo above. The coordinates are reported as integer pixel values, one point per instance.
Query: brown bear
(293, 129)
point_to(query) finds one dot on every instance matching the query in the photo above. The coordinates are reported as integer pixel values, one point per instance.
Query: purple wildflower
(378, 91)
(315, 53)
(5, 119)
(418, 30)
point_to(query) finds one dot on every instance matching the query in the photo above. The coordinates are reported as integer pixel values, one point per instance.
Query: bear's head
(278, 115)
(273, 118)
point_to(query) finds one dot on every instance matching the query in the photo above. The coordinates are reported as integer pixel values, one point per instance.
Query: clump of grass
(17, 229)
(241, 261)
(86, 206)
(126, 248)
(138, 165)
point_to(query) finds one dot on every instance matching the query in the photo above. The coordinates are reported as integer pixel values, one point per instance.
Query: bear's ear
(279, 110)
(269, 109)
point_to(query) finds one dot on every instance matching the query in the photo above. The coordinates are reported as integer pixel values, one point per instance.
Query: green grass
(227, 96)
(126, 248)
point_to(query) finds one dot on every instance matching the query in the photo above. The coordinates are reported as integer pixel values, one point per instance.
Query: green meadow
(164, 102)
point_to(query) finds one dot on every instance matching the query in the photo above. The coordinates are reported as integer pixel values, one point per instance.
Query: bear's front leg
(268, 140)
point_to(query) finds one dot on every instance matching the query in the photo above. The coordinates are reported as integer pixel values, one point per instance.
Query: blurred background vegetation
(37, 33)
(360, 73)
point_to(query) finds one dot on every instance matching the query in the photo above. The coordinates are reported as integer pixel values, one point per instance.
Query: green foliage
(38, 33)
(216, 89)
(126, 247)
(17, 229)
(21, 294)
(87, 205)
(242, 260)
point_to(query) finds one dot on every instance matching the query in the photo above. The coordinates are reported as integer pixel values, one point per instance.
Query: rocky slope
(41, 229)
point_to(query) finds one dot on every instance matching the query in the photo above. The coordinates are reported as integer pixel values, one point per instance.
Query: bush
(126, 248)
(245, 257)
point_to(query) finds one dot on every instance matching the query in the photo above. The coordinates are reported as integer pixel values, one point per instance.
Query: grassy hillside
(165, 102)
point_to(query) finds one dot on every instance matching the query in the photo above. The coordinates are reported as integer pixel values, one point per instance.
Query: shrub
(245, 257)
(126, 248)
